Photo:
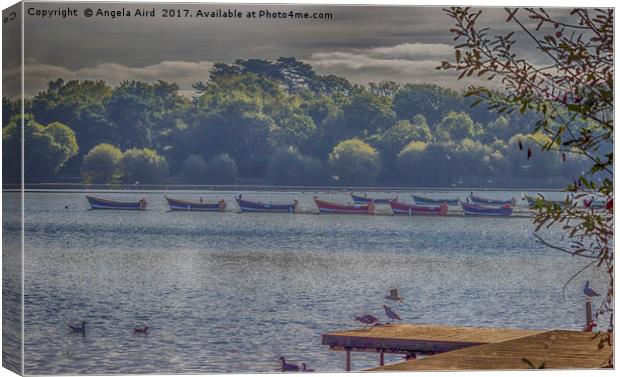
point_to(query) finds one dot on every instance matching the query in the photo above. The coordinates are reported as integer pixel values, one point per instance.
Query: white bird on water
(589, 291)
(391, 313)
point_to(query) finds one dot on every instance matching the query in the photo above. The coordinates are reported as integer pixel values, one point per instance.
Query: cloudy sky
(362, 43)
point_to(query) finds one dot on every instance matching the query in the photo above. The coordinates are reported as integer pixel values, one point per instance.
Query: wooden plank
(406, 338)
(557, 349)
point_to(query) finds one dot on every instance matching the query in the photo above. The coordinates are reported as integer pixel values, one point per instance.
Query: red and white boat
(412, 209)
(357, 209)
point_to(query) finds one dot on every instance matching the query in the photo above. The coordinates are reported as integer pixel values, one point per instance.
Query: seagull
(589, 291)
(141, 329)
(367, 319)
(78, 329)
(288, 367)
(394, 295)
(391, 313)
(304, 368)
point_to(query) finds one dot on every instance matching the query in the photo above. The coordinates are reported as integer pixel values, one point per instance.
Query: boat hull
(250, 206)
(478, 210)
(358, 199)
(484, 201)
(422, 201)
(531, 201)
(102, 203)
(329, 207)
(415, 210)
(183, 205)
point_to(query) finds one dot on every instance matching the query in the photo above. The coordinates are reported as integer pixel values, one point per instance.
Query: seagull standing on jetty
(367, 319)
(391, 313)
(589, 291)
(78, 329)
(286, 367)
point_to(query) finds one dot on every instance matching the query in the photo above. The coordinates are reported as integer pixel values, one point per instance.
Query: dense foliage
(282, 123)
(47, 148)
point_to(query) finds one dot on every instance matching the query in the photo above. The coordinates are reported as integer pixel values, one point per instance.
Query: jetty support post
(381, 358)
(588, 312)
(348, 360)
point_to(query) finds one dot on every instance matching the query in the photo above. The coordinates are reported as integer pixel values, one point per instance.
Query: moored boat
(422, 201)
(477, 210)
(358, 209)
(363, 199)
(184, 205)
(531, 200)
(252, 206)
(486, 201)
(594, 203)
(412, 209)
(102, 203)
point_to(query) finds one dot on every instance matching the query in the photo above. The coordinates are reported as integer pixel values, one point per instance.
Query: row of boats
(362, 204)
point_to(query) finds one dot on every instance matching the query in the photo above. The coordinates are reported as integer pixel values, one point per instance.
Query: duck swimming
(78, 329)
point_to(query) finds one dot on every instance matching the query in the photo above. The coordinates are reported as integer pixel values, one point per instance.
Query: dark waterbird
(141, 329)
(287, 367)
(304, 368)
(391, 312)
(589, 291)
(78, 329)
(367, 319)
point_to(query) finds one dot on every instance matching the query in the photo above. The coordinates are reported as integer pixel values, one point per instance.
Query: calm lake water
(229, 292)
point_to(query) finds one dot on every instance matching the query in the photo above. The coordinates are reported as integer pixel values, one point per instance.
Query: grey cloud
(362, 43)
(405, 63)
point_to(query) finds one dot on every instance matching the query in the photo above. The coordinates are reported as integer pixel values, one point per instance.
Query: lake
(230, 292)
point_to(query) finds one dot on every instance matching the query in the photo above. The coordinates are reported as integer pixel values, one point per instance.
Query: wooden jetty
(555, 349)
(463, 348)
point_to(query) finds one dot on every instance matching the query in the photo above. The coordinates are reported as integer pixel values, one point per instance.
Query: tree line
(275, 122)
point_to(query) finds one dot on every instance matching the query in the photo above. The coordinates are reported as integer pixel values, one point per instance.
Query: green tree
(194, 170)
(143, 165)
(46, 148)
(399, 135)
(10, 108)
(287, 166)
(222, 169)
(80, 104)
(101, 164)
(296, 129)
(457, 126)
(431, 101)
(541, 166)
(355, 162)
(367, 114)
(423, 164)
(143, 114)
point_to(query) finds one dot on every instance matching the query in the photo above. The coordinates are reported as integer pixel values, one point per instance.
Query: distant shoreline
(78, 187)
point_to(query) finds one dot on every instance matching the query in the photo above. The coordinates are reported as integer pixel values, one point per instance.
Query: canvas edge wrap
(12, 226)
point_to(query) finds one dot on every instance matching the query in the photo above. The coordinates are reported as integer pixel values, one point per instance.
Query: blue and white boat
(486, 201)
(101, 203)
(252, 206)
(422, 201)
(363, 199)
